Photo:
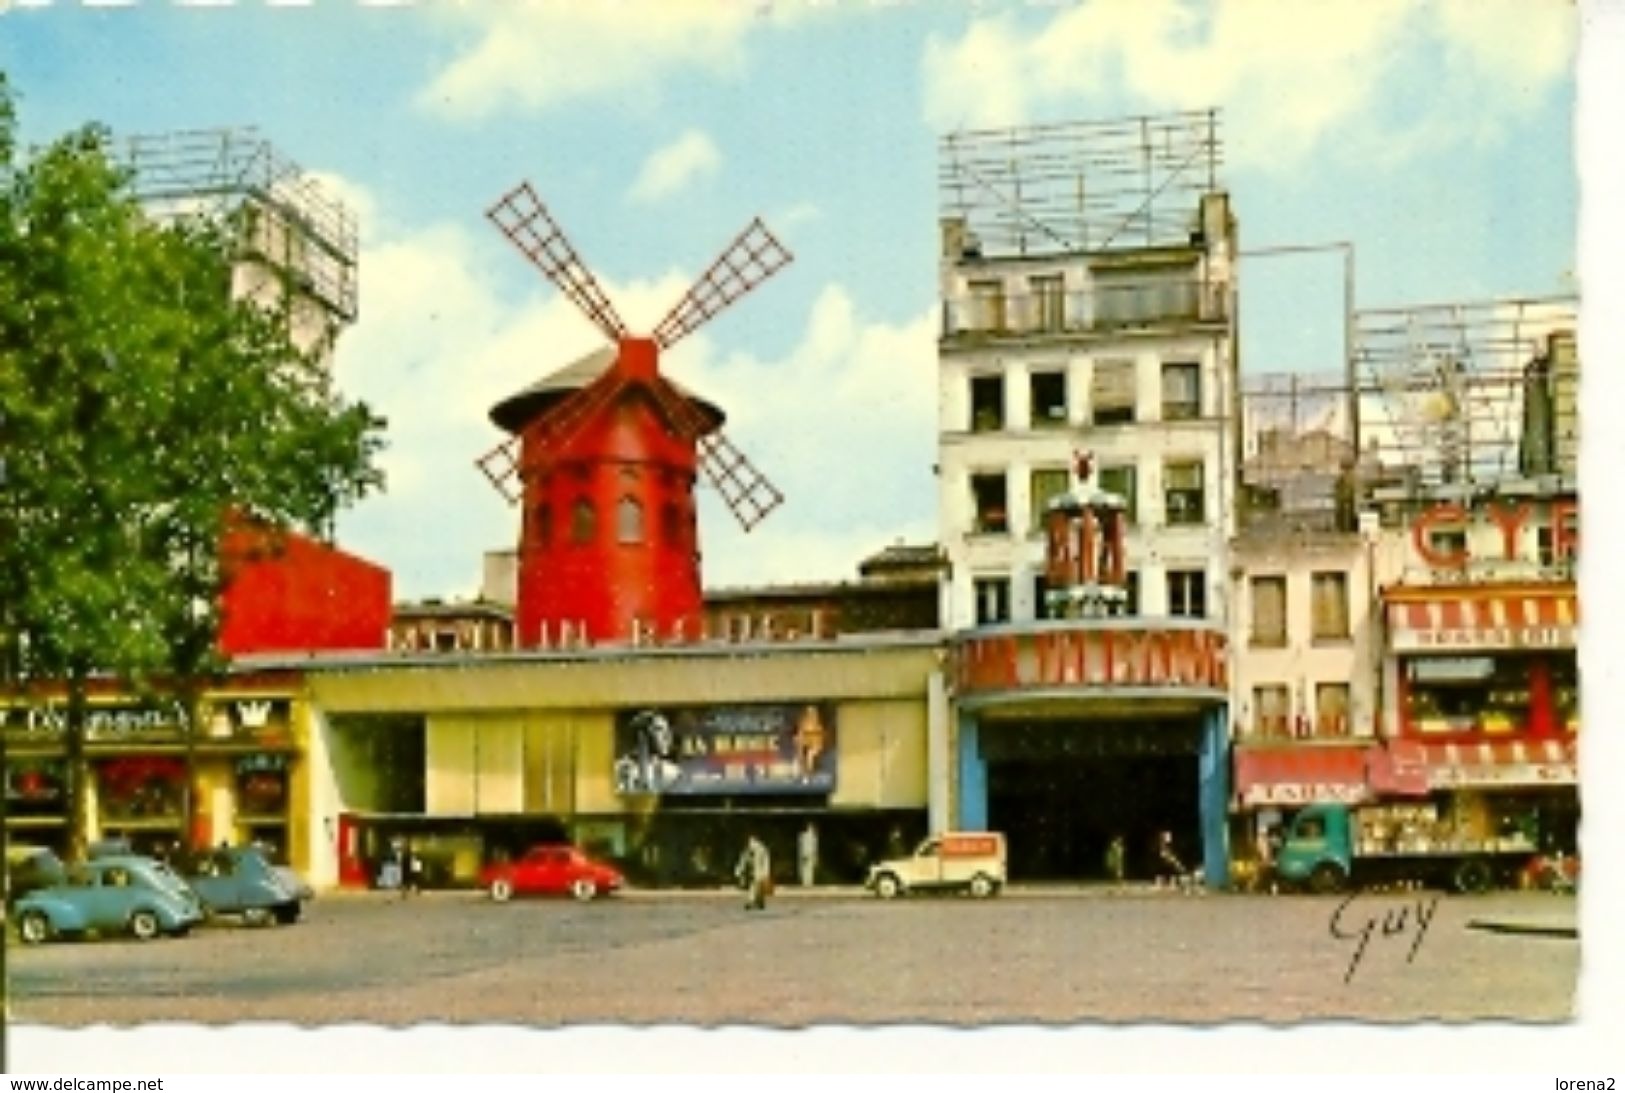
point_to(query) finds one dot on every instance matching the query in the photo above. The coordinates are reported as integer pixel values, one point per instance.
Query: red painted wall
(304, 596)
(599, 583)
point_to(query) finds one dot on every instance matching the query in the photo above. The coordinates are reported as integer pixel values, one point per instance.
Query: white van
(969, 861)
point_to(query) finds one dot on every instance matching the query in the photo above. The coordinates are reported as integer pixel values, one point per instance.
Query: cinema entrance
(1068, 740)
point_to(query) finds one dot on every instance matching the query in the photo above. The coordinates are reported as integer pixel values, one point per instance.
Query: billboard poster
(781, 748)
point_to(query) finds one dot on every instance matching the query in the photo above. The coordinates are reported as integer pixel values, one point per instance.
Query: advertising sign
(786, 748)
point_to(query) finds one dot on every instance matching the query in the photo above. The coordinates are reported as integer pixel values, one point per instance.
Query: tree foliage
(140, 404)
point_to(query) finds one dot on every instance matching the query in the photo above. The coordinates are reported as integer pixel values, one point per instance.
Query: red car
(552, 870)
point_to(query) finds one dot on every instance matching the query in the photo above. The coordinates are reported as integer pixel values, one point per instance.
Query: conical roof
(515, 411)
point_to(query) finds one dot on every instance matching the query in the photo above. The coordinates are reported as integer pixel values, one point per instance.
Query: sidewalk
(797, 892)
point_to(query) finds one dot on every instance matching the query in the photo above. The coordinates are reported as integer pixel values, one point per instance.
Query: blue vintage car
(241, 880)
(124, 894)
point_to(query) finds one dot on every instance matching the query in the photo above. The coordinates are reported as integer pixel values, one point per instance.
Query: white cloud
(440, 340)
(537, 55)
(1288, 75)
(670, 168)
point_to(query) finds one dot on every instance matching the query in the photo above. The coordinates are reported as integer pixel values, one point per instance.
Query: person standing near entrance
(755, 872)
(807, 855)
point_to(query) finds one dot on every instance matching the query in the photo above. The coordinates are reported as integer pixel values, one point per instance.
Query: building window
(986, 404)
(988, 495)
(1181, 392)
(1040, 596)
(1131, 593)
(1269, 611)
(992, 600)
(1047, 483)
(1049, 400)
(987, 302)
(1331, 709)
(1272, 710)
(1121, 481)
(1112, 393)
(583, 521)
(1187, 593)
(1182, 493)
(1049, 302)
(1330, 604)
(629, 520)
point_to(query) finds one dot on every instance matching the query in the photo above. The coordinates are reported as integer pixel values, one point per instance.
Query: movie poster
(784, 748)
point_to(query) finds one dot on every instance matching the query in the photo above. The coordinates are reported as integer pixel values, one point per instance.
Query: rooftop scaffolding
(291, 225)
(1081, 187)
(1468, 393)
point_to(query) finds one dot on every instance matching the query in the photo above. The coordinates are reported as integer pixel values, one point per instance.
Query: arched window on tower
(629, 520)
(583, 521)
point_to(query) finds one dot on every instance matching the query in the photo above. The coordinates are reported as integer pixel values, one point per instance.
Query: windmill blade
(522, 217)
(753, 257)
(500, 466)
(556, 428)
(744, 489)
(548, 433)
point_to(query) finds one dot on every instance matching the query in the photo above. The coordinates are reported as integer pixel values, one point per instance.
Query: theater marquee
(1093, 656)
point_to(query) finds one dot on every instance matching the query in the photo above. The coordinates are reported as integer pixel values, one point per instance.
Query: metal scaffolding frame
(1467, 393)
(290, 224)
(1081, 187)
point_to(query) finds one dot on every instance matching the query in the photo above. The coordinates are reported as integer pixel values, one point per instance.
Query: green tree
(140, 406)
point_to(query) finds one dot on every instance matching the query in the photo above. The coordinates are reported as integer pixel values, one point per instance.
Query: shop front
(1085, 740)
(1486, 693)
(152, 777)
(662, 761)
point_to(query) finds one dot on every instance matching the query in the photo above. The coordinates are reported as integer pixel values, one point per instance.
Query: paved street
(1057, 956)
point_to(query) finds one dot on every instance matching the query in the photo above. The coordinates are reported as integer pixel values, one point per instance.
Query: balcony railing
(1099, 309)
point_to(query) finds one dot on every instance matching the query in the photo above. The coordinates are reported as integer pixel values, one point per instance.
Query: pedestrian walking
(409, 866)
(1266, 858)
(807, 855)
(1116, 855)
(755, 873)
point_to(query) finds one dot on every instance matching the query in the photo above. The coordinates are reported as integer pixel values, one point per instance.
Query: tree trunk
(75, 769)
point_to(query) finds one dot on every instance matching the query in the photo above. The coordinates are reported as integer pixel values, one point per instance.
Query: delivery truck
(1329, 847)
(954, 861)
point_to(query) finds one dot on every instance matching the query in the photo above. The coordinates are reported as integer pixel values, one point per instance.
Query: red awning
(1298, 774)
(1483, 618)
(1509, 763)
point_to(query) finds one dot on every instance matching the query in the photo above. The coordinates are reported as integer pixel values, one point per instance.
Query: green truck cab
(1329, 847)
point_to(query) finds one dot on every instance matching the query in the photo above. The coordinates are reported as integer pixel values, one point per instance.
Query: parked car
(140, 896)
(30, 868)
(551, 870)
(241, 880)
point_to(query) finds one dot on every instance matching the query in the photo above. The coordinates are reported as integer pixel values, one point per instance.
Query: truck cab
(968, 861)
(1318, 850)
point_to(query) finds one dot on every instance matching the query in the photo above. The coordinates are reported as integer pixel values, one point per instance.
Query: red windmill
(603, 454)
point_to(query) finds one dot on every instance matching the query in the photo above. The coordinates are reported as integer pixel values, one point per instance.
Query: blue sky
(1436, 136)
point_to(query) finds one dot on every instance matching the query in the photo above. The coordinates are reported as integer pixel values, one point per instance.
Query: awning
(1440, 619)
(1299, 774)
(1523, 763)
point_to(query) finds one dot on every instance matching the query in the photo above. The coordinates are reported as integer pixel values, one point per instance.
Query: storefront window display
(262, 785)
(1452, 695)
(141, 789)
(34, 788)
(1566, 694)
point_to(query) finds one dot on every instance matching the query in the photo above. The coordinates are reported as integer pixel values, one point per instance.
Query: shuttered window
(1331, 709)
(1269, 611)
(1112, 392)
(1272, 707)
(1330, 605)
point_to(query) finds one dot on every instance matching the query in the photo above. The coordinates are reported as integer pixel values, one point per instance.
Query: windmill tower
(603, 455)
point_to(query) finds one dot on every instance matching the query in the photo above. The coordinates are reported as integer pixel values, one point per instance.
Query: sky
(1435, 137)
